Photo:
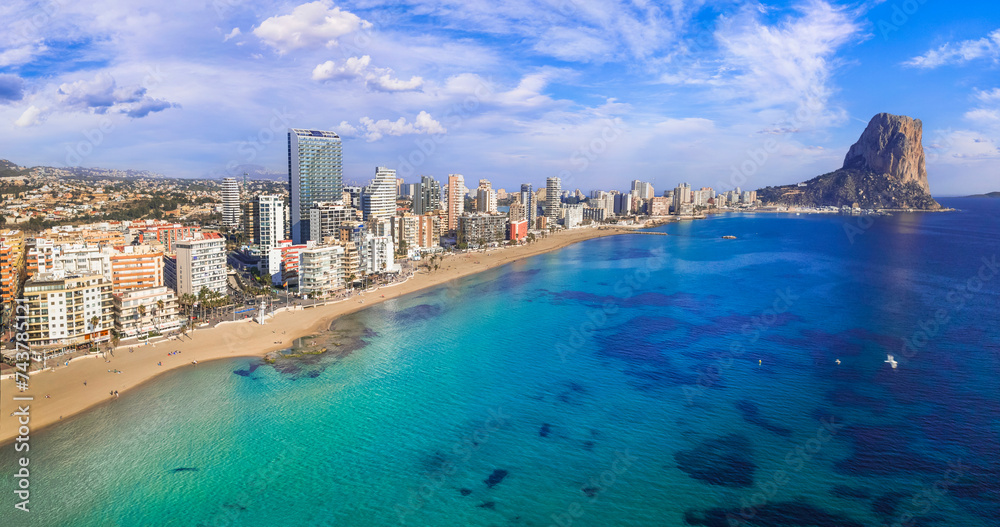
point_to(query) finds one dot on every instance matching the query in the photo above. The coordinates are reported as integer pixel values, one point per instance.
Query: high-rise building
(553, 189)
(429, 231)
(325, 220)
(642, 189)
(486, 197)
(250, 221)
(269, 221)
(456, 199)
(315, 173)
(573, 215)
(230, 202)
(201, 264)
(530, 206)
(682, 195)
(427, 197)
(405, 232)
(378, 199)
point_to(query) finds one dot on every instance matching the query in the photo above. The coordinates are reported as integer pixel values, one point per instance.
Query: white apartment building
(269, 222)
(201, 263)
(68, 311)
(68, 259)
(378, 254)
(320, 270)
(131, 320)
(378, 200)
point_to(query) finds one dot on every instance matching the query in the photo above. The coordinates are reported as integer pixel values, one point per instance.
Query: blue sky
(714, 93)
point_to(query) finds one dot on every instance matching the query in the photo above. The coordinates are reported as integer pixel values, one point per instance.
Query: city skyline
(514, 95)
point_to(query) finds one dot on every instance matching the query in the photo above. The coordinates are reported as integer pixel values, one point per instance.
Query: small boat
(729, 237)
(891, 361)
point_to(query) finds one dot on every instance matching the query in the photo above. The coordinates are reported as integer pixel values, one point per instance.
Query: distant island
(987, 195)
(884, 170)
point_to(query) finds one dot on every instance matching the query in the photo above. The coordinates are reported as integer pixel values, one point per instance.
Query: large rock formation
(883, 170)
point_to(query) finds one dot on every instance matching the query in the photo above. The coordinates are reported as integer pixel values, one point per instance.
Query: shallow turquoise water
(633, 380)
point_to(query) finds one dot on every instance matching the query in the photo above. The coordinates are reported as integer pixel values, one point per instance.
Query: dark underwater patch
(488, 505)
(465, 492)
(781, 514)
(495, 478)
(417, 313)
(751, 414)
(250, 369)
(886, 506)
(854, 493)
(883, 451)
(545, 430)
(313, 354)
(726, 461)
(184, 469)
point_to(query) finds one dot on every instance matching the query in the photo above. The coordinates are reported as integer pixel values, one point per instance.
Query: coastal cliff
(884, 169)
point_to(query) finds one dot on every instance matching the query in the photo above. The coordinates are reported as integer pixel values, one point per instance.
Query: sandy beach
(67, 390)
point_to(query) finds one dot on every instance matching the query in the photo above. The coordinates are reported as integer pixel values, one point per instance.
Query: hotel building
(315, 174)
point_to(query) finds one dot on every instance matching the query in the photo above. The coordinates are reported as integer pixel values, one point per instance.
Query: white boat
(891, 361)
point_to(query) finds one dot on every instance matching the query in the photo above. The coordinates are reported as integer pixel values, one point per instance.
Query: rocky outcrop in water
(885, 169)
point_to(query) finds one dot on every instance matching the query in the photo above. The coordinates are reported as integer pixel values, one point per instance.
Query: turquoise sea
(626, 381)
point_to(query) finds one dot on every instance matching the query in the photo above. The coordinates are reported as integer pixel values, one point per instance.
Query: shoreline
(60, 392)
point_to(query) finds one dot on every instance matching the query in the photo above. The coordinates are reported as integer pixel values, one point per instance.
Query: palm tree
(142, 312)
(159, 310)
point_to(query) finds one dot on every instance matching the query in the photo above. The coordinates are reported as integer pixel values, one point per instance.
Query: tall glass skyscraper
(315, 174)
(427, 198)
(530, 207)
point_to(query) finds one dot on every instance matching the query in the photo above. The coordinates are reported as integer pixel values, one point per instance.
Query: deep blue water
(624, 381)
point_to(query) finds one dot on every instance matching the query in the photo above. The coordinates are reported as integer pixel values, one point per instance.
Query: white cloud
(30, 117)
(988, 96)
(786, 65)
(309, 26)
(575, 44)
(960, 145)
(352, 68)
(232, 34)
(21, 54)
(374, 130)
(528, 94)
(102, 94)
(960, 52)
(380, 79)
